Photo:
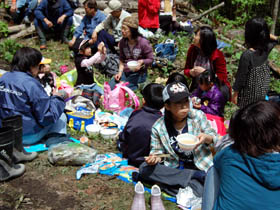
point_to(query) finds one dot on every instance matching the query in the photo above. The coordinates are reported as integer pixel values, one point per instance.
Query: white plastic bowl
(109, 133)
(187, 141)
(132, 65)
(93, 129)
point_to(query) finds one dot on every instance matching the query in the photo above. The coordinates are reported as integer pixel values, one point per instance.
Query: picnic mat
(40, 147)
(114, 165)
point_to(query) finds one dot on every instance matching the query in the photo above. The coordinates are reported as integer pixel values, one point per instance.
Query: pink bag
(67, 88)
(116, 100)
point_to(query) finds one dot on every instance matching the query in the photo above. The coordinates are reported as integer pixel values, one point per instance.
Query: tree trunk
(274, 16)
(208, 11)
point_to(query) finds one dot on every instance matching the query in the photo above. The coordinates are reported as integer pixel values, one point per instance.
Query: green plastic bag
(70, 77)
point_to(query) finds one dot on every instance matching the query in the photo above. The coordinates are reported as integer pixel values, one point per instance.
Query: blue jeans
(58, 127)
(133, 78)
(211, 189)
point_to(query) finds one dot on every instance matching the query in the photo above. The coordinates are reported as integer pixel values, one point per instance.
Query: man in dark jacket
(136, 136)
(55, 16)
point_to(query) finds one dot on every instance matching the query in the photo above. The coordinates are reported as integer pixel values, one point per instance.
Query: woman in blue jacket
(249, 170)
(22, 94)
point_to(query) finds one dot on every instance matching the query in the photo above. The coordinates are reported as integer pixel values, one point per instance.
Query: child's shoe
(139, 199)
(156, 202)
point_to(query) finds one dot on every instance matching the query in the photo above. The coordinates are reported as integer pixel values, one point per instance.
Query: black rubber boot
(7, 167)
(64, 35)
(20, 155)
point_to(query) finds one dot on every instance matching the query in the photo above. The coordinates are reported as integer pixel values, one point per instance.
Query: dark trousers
(170, 179)
(57, 29)
(108, 39)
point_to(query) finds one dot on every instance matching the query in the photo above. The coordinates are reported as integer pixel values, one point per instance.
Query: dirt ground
(47, 187)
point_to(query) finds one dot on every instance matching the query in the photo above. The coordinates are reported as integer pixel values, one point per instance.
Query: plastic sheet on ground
(71, 154)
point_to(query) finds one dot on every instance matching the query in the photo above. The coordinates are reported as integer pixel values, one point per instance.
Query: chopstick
(160, 155)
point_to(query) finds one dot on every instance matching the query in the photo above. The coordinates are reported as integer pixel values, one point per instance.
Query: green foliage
(8, 48)
(275, 85)
(71, 33)
(3, 29)
(2, 5)
(242, 11)
(275, 56)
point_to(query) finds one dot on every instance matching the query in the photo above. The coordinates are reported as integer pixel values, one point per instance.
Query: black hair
(207, 77)
(134, 32)
(152, 94)
(25, 58)
(257, 34)
(208, 42)
(177, 77)
(85, 46)
(90, 4)
(256, 128)
(168, 119)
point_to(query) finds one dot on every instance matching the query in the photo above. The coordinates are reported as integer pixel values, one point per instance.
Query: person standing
(253, 74)
(148, 14)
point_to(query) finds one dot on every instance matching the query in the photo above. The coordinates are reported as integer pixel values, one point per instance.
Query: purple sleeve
(122, 58)
(147, 53)
(196, 93)
(215, 105)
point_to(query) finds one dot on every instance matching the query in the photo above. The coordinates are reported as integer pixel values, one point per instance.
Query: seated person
(133, 47)
(23, 10)
(177, 77)
(52, 16)
(113, 21)
(22, 94)
(203, 54)
(45, 76)
(84, 61)
(249, 169)
(209, 99)
(178, 118)
(136, 136)
(89, 22)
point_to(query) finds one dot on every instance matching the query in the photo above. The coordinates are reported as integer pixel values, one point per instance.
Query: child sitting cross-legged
(84, 60)
(210, 98)
(136, 137)
(178, 118)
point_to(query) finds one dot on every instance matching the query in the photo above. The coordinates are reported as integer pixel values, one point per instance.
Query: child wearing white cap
(84, 61)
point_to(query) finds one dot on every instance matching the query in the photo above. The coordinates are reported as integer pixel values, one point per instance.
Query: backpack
(167, 50)
(110, 66)
(74, 4)
(116, 100)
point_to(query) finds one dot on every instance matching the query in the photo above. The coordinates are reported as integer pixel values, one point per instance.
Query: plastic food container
(109, 133)
(132, 65)
(187, 141)
(93, 129)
